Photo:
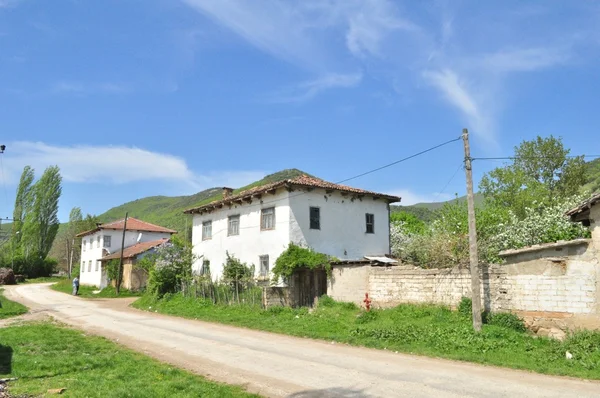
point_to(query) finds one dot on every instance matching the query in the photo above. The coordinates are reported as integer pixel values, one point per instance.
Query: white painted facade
(342, 230)
(93, 249)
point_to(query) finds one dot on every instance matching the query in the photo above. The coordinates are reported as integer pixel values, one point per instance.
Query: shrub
(366, 317)
(465, 307)
(506, 320)
(326, 301)
(172, 267)
(295, 257)
(235, 272)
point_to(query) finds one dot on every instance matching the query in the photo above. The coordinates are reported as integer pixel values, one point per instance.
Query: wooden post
(473, 257)
(118, 286)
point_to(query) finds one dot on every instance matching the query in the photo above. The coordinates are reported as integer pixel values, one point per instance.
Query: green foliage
(541, 173)
(465, 307)
(112, 269)
(326, 301)
(410, 222)
(46, 356)
(10, 308)
(23, 203)
(172, 267)
(30, 268)
(65, 285)
(506, 320)
(419, 329)
(234, 270)
(296, 257)
(592, 176)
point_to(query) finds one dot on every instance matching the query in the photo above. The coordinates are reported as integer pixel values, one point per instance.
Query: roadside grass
(44, 279)
(66, 286)
(416, 329)
(45, 356)
(10, 308)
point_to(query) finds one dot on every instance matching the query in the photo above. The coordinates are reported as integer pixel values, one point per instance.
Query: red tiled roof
(136, 249)
(301, 181)
(133, 224)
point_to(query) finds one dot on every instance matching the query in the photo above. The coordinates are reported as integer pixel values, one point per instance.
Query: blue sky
(163, 97)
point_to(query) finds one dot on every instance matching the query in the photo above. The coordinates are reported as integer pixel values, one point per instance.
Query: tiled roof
(301, 181)
(585, 205)
(136, 249)
(133, 224)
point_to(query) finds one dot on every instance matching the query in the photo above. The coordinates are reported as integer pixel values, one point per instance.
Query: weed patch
(10, 308)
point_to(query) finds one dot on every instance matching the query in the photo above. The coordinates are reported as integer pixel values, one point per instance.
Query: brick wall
(556, 278)
(276, 297)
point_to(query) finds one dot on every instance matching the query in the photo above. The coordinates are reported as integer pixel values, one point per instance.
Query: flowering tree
(169, 267)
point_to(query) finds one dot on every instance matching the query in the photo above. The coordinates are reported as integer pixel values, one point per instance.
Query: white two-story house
(257, 225)
(105, 240)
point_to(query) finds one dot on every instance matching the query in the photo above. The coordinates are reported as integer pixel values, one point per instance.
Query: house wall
(595, 225)
(343, 225)
(553, 282)
(251, 241)
(133, 278)
(342, 234)
(98, 277)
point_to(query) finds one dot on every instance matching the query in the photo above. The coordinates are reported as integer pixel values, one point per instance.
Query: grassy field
(10, 308)
(66, 286)
(426, 330)
(45, 356)
(45, 279)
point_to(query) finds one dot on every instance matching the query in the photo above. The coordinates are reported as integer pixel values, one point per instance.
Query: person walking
(75, 286)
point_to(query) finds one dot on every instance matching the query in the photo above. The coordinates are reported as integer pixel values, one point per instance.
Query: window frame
(205, 269)
(260, 262)
(84, 245)
(89, 266)
(97, 268)
(262, 218)
(371, 224)
(83, 266)
(229, 220)
(98, 242)
(310, 217)
(104, 238)
(205, 224)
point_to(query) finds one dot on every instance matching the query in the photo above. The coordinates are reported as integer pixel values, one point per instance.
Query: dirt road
(275, 365)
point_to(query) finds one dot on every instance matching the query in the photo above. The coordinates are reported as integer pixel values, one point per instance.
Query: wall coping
(544, 246)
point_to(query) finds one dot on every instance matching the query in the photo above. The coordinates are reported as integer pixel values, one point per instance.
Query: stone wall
(559, 280)
(274, 296)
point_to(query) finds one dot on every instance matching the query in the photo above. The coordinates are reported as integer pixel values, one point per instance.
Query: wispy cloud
(81, 88)
(116, 165)
(524, 59)
(310, 89)
(9, 3)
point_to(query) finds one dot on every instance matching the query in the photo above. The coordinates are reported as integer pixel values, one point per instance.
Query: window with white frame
(91, 243)
(83, 266)
(315, 218)
(370, 219)
(106, 241)
(205, 270)
(89, 266)
(98, 241)
(97, 265)
(206, 230)
(84, 245)
(233, 227)
(267, 218)
(264, 265)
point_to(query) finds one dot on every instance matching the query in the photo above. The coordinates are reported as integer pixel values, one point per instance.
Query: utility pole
(118, 287)
(473, 257)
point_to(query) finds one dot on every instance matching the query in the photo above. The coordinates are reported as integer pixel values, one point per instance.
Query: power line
(401, 160)
(460, 166)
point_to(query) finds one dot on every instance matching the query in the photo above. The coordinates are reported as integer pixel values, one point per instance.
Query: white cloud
(410, 197)
(310, 89)
(115, 165)
(79, 88)
(524, 59)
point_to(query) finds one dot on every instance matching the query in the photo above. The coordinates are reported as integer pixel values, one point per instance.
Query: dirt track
(276, 365)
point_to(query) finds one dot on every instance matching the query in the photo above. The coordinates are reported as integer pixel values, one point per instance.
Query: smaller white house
(257, 225)
(104, 241)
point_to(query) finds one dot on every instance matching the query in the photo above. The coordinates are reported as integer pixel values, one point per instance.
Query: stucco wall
(251, 241)
(343, 225)
(98, 277)
(595, 225)
(342, 234)
(559, 280)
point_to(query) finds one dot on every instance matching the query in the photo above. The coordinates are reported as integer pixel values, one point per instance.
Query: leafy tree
(23, 203)
(542, 172)
(170, 268)
(295, 257)
(411, 223)
(236, 273)
(41, 223)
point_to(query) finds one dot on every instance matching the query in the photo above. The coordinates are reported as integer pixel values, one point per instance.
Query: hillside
(168, 211)
(592, 176)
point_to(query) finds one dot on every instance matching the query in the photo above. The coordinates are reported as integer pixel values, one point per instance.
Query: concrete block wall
(559, 278)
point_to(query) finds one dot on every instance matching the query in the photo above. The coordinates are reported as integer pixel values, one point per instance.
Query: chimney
(98, 224)
(227, 192)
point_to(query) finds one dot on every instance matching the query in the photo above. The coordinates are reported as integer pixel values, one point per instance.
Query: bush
(236, 273)
(506, 320)
(465, 307)
(366, 317)
(326, 301)
(295, 257)
(172, 266)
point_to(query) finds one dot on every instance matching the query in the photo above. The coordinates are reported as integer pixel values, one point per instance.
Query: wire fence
(226, 292)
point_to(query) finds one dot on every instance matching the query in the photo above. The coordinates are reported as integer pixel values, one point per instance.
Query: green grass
(45, 356)
(419, 329)
(45, 279)
(66, 286)
(10, 308)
